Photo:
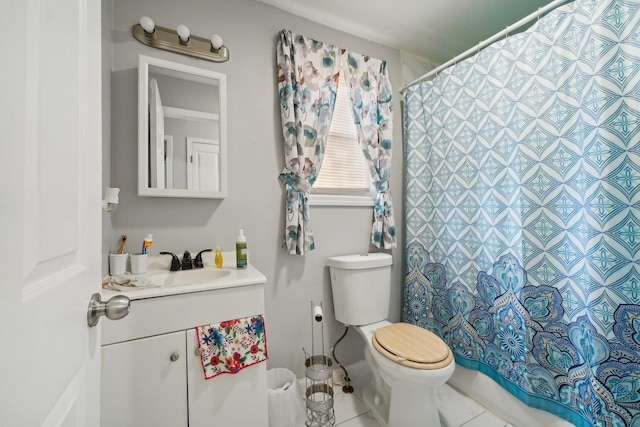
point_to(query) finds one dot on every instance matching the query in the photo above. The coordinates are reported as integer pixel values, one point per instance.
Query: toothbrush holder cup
(138, 263)
(118, 264)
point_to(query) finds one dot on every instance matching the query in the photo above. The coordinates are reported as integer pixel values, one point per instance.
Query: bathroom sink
(188, 277)
(159, 281)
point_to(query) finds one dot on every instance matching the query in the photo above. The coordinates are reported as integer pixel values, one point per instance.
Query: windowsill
(340, 200)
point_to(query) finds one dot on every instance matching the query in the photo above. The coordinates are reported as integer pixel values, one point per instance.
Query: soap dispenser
(241, 251)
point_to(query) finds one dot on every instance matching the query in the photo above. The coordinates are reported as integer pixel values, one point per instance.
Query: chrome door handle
(116, 308)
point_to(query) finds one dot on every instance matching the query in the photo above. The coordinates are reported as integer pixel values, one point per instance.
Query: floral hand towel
(227, 347)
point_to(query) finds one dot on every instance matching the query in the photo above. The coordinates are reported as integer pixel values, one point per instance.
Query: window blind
(344, 168)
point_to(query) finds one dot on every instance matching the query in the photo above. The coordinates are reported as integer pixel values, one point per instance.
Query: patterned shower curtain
(523, 212)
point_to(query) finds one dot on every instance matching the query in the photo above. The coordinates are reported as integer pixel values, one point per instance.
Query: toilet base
(406, 412)
(405, 415)
(381, 410)
(401, 404)
(415, 408)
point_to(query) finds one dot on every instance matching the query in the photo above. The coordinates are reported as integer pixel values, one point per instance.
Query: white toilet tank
(361, 286)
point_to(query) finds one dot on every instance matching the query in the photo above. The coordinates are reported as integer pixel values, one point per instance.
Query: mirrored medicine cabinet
(182, 135)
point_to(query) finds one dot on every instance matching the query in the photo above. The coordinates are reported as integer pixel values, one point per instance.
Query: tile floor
(456, 410)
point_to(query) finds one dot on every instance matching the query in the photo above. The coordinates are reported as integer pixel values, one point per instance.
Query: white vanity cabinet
(152, 375)
(142, 385)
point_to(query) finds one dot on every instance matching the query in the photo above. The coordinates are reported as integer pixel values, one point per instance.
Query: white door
(156, 136)
(203, 164)
(50, 218)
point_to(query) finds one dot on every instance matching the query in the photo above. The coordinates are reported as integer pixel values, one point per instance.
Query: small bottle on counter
(217, 257)
(241, 251)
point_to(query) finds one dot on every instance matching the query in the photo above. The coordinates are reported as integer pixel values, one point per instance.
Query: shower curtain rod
(504, 33)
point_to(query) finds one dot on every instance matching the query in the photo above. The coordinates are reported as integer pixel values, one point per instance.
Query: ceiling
(436, 30)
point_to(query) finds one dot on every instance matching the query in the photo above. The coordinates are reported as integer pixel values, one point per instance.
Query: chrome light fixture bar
(180, 41)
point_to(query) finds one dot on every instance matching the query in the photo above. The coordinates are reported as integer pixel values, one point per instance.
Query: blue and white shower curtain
(522, 212)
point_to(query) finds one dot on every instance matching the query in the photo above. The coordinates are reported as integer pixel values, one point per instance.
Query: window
(344, 176)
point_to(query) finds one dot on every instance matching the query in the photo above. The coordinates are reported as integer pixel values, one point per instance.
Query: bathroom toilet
(407, 362)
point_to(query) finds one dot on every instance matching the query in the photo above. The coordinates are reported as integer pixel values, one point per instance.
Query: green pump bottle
(241, 251)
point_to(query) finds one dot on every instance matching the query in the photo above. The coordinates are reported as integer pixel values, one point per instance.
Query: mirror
(182, 140)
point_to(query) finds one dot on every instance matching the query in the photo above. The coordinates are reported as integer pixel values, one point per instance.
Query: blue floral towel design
(227, 347)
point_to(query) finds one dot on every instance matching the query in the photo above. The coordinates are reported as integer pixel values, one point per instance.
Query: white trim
(184, 114)
(144, 63)
(168, 161)
(340, 200)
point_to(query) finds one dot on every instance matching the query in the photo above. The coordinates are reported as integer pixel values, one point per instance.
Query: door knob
(116, 308)
(174, 357)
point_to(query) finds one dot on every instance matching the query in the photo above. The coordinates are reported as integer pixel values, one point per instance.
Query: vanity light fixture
(180, 41)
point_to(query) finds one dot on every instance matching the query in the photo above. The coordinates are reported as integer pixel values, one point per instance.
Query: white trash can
(286, 406)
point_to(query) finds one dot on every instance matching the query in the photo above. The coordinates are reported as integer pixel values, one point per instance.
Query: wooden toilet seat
(412, 346)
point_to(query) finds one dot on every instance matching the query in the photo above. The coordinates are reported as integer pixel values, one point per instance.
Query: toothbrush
(122, 242)
(146, 243)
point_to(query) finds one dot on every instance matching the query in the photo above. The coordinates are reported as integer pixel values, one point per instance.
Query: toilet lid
(412, 346)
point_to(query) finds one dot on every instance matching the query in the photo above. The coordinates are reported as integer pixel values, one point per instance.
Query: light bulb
(216, 42)
(147, 24)
(183, 33)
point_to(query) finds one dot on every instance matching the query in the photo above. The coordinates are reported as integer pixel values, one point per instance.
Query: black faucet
(175, 261)
(187, 262)
(197, 263)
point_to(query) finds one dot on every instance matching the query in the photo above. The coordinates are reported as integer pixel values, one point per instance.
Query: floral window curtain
(307, 83)
(370, 95)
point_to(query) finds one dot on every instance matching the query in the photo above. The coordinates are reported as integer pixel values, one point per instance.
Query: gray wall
(255, 158)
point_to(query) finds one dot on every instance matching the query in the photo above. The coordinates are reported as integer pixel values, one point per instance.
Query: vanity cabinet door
(228, 399)
(144, 382)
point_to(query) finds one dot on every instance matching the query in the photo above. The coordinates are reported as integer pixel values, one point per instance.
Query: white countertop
(159, 265)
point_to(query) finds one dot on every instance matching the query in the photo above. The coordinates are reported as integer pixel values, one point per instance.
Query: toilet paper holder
(318, 376)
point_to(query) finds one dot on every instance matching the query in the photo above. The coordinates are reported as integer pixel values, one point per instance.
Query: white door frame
(168, 161)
